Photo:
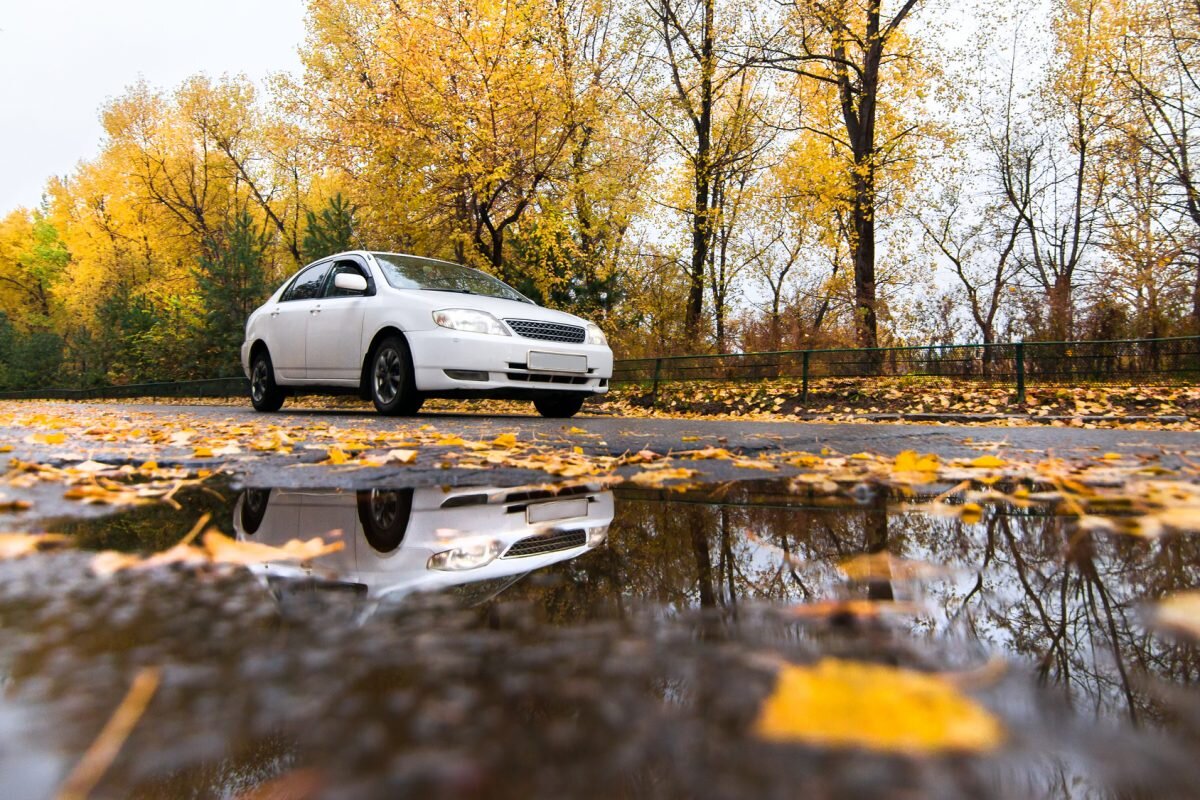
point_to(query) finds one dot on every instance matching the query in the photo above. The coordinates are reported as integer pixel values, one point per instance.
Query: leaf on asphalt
(988, 462)
(753, 463)
(848, 704)
(16, 545)
(401, 456)
(47, 438)
(335, 456)
(507, 440)
(658, 477)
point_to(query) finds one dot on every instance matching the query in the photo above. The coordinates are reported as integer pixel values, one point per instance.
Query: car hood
(496, 306)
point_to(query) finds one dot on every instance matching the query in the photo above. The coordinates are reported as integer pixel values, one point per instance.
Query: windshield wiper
(456, 291)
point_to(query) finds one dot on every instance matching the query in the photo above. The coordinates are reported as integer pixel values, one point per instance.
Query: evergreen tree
(232, 278)
(330, 232)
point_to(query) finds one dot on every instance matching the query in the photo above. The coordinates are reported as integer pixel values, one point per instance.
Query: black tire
(389, 374)
(384, 516)
(559, 407)
(254, 509)
(265, 394)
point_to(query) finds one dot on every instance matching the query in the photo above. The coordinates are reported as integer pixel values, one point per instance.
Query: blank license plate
(556, 362)
(557, 509)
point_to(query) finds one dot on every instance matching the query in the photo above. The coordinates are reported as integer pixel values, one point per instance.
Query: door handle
(275, 313)
(314, 311)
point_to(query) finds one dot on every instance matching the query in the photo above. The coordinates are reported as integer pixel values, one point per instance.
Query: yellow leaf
(577, 450)
(149, 466)
(1111, 457)
(691, 438)
(885, 566)
(575, 429)
(1180, 518)
(15, 545)
(505, 440)
(988, 462)
(1180, 612)
(910, 461)
(5, 448)
(50, 438)
(336, 455)
(222, 549)
(970, 513)
(202, 452)
(848, 704)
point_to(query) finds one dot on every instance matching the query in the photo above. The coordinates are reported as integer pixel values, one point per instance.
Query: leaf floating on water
(848, 704)
(885, 566)
(224, 550)
(859, 609)
(16, 545)
(1180, 612)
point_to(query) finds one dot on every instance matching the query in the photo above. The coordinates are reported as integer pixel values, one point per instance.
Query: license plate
(556, 362)
(557, 509)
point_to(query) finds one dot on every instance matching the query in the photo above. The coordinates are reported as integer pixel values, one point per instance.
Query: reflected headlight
(597, 535)
(595, 335)
(469, 320)
(468, 556)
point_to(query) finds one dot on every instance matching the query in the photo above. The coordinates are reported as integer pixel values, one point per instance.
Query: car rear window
(411, 272)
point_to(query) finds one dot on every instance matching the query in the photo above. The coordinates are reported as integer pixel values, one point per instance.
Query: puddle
(512, 642)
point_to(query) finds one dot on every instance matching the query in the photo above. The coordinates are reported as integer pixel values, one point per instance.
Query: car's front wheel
(265, 394)
(559, 407)
(392, 387)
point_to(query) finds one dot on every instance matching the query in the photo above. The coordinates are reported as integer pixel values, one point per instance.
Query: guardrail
(1171, 360)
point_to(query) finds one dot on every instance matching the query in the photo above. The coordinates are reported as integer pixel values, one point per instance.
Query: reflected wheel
(384, 515)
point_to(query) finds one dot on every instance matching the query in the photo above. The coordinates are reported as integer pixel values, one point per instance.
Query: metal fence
(1174, 360)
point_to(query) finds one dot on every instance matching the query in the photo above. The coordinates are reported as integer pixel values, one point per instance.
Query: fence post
(654, 391)
(1020, 357)
(804, 378)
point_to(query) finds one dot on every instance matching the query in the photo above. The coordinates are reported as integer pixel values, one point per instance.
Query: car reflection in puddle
(399, 541)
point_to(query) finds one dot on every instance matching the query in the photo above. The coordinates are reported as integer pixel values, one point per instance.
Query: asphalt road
(595, 435)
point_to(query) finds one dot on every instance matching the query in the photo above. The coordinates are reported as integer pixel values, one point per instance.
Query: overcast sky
(60, 60)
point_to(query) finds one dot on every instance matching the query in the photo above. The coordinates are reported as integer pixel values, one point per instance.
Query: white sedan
(397, 329)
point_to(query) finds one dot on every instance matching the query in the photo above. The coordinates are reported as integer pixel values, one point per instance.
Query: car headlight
(466, 556)
(469, 320)
(596, 535)
(595, 335)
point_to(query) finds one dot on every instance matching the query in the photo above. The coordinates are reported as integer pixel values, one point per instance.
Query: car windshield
(410, 272)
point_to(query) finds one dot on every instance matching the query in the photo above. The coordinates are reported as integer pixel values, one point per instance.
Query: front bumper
(504, 360)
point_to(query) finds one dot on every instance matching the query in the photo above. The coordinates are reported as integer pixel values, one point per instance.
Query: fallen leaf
(885, 566)
(224, 550)
(401, 456)
(505, 440)
(1180, 612)
(848, 704)
(988, 462)
(16, 545)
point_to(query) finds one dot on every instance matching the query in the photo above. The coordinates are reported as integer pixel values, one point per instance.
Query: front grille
(550, 542)
(529, 377)
(547, 331)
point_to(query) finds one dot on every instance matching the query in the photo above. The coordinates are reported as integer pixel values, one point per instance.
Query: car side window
(307, 285)
(352, 268)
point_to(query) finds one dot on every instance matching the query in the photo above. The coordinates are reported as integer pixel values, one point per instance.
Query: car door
(334, 335)
(288, 323)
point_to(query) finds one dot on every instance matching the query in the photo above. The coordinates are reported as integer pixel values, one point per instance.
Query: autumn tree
(850, 46)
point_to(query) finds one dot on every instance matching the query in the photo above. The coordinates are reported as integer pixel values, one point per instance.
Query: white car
(399, 541)
(397, 329)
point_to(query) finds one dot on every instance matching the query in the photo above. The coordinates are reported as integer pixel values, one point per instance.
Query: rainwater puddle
(513, 642)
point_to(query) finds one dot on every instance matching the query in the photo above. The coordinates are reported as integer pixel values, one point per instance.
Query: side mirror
(350, 282)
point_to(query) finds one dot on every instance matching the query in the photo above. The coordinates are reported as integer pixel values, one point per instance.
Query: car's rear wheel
(392, 387)
(265, 394)
(559, 407)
